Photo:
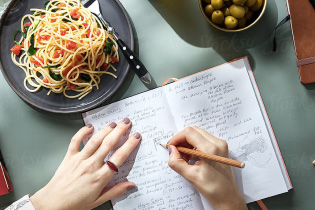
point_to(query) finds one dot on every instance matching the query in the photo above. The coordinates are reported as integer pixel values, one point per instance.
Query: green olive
(239, 2)
(242, 22)
(209, 10)
(226, 11)
(207, 1)
(250, 3)
(230, 22)
(217, 17)
(257, 5)
(217, 4)
(237, 11)
(249, 15)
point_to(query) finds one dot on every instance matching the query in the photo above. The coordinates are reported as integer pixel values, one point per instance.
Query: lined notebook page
(158, 187)
(222, 101)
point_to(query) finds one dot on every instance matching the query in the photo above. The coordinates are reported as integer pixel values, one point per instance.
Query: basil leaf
(50, 6)
(15, 33)
(45, 6)
(85, 77)
(108, 47)
(39, 13)
(25, 31)
(36, 25)
(50, 67)
(32, 40)
(54, 76)
(66, 20)
(31, 50)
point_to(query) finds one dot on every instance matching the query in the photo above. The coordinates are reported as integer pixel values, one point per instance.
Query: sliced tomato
(114, 59)
(98, 33)
(66, 71)
(71, 86)
(98, 59)
(85, 25)
(62, 52)
(32, 60)
(45, 80)
(73, 28)
(104, 67)
(46, 37)
(62, 4)
(26, 24)
(42, 16)
(81, 41)
(63, 32)
(82, 18)
(16, 49)
(52, 20)
(56, 55)
(88, 32)
(75, 14)
(71, 45)
(78, 59)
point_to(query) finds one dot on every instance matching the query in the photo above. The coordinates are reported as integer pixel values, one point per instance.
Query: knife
(133, 60)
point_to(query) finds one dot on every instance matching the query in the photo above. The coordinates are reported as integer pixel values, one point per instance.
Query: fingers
(111, 139)
(124, 151)
(113, 192)
(191, 136)
(221, 144)
(180, 165)
(96, 140)
(78, 137)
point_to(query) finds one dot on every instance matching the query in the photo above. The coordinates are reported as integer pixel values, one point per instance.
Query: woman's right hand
(215, 181)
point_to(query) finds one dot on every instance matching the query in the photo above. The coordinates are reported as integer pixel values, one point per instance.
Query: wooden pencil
(203, 155)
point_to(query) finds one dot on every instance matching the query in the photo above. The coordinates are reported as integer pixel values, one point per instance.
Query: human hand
(215, 181)
(80, 179)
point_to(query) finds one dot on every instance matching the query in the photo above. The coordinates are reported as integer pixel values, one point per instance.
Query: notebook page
(269, 128)
(158, 187)
(222, 101)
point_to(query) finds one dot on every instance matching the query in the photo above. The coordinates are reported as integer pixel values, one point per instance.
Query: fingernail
(129, 188)
(112, 125)
(170, 149)
(126, 120)
(89, 125)
(137, 135)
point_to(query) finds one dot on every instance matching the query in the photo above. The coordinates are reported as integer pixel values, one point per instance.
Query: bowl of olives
(232, 15)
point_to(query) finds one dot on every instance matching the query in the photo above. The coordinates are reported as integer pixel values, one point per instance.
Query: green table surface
(175, 41)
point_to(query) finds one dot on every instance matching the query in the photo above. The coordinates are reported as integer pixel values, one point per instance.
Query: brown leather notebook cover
(303, 32)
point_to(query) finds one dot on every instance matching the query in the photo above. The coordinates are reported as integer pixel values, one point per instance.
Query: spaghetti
(64, 47)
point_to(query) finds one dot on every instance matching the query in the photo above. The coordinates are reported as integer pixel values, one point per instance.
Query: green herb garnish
(25, 31)
(85, 77)
(108, 47)
(15, 33)
(55, 76)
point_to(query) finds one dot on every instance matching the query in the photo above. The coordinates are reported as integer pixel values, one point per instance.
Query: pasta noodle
(64, 47)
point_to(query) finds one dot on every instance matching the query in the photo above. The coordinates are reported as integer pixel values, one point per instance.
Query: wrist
(237, 202)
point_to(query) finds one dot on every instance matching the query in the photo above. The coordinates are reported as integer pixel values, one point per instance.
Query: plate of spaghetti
(59, 57)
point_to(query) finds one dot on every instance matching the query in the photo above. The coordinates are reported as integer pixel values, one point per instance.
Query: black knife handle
(132, 59)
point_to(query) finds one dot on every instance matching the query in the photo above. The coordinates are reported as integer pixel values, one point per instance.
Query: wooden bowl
(256, 17)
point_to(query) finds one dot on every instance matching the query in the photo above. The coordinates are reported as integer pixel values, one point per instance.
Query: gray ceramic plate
(112, 10)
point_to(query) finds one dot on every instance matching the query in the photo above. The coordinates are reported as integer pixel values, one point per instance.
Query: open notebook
(223, 100)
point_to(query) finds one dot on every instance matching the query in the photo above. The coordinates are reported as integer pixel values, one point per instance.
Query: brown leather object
(303, 30)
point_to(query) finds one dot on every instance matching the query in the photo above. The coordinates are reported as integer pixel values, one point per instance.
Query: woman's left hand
(79, 182)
